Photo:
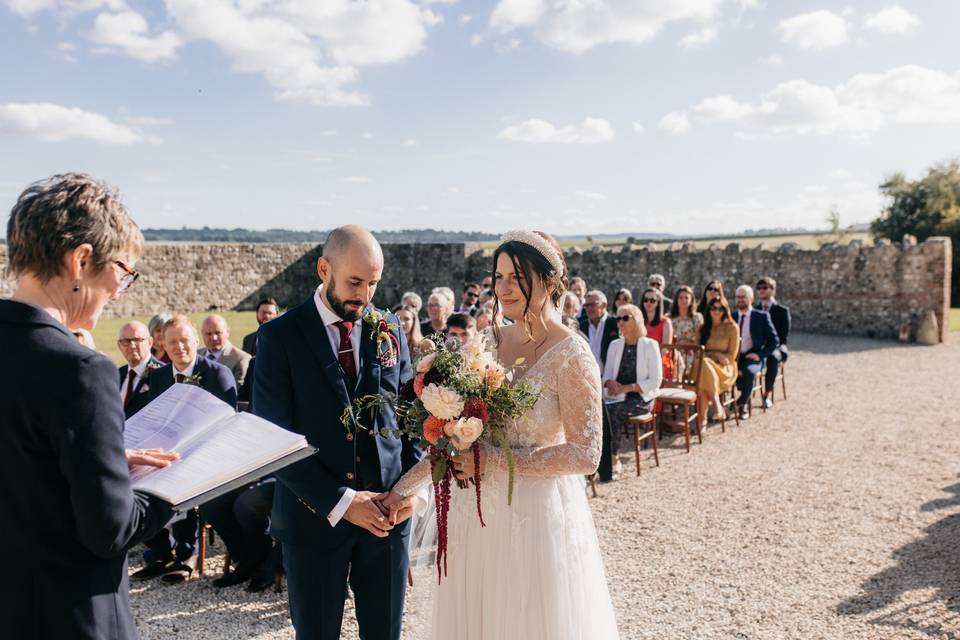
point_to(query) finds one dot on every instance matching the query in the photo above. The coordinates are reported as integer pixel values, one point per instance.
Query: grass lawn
(105, 334)
(955, 319)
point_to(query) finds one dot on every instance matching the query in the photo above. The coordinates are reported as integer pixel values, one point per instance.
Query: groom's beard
(338, 305)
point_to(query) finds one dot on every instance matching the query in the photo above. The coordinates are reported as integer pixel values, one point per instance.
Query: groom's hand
(365, 513)
(399, 508)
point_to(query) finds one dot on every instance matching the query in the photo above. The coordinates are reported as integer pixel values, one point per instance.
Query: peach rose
(424, 364)
(465, 432)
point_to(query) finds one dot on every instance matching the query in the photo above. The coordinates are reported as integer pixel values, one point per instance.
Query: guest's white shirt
(138, 375)
(213, 355)
(595, 334)
(186, 372)
(746, 342)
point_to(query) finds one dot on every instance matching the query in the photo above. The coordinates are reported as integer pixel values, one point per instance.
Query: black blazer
(67, 512)
(250, 345)
(780, 315)
(610, 333)
(214, 377)
(762, 333)
(141, 395)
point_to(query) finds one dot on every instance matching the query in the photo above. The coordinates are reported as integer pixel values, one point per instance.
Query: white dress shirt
(746, 342)
(213, 355)
(138, 375)
(186, 372)
(595, 333)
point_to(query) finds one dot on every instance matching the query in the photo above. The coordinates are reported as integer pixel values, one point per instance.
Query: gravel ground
(835, 515)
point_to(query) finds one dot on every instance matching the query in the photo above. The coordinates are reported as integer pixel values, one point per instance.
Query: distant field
(808, 241)
(105, 335)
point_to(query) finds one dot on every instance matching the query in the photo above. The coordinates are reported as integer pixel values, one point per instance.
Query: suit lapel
(369, 363)
(315, 334)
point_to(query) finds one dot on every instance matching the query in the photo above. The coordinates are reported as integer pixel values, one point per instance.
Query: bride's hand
(463, 463)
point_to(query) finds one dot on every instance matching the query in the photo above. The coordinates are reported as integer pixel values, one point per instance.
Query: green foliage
(838, 233)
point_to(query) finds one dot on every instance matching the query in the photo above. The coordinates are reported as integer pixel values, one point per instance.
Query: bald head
(216, 333)
(351, 267)
(351, 239)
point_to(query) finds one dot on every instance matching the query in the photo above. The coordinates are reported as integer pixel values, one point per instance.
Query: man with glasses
(780, 316)
(758, 339)
(134, 343)
(658, 282)
(469, 299)
(599, 327)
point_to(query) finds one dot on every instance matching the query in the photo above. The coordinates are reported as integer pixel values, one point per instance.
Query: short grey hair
(411, 299)
(746, 290)
(157, 321)
(446, 292)
(600, 295)
(658, 278)
(62, 212)
(570, 295)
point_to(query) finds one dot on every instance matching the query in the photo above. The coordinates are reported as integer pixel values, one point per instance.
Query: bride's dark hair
(529, 262)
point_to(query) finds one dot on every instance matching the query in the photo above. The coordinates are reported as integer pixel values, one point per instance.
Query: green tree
(926, 207)
(838, 233)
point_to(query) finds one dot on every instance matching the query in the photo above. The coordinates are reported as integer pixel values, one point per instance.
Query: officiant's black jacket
(67, 512)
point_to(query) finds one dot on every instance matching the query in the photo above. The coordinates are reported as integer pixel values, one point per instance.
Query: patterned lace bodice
(561, 434)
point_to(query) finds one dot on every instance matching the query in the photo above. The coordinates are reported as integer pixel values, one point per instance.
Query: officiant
(67, 509)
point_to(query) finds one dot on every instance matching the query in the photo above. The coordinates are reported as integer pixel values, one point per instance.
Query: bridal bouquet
(458, 399)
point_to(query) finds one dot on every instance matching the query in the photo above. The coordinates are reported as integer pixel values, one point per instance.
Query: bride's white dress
(535, 571)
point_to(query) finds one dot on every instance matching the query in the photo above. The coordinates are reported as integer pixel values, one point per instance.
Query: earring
(76, 287)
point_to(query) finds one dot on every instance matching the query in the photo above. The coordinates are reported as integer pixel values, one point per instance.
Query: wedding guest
(578, 286)
(714, 289)
(134, 343)
(658, 282)
(412, 301)
(439, 308)
(631, 376)
(267, 310)
(718, 371)
(218, 348)
(599, 327)
(487, 283)
(155, 326)
(470, 298)
(623, 297)
(484, 320)
(659, 326)
(173, 553)
(85, 338)
(487, 297)
(758, 339)
(461, 326)
(571, 305)
(68, 511)
(571, 322)
(411, 329)
(780, 316)
(686, 321)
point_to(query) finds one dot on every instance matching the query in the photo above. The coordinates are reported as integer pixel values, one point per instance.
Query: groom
(311, 363)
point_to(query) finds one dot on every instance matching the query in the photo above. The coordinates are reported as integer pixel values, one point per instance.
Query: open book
(219, 448)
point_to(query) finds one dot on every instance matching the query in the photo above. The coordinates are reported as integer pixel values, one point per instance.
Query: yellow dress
(715, 378)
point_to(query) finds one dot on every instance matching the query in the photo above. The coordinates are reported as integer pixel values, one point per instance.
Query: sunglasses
(713, 289)
(624, 318)
(762, 286)
(717, 309)
(471, 294)
(649, 300)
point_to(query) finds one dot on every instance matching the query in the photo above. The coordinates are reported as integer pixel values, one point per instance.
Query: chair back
(681, 364)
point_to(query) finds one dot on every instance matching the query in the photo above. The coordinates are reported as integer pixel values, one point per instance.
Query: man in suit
(311, 363)
(758, 339)
(599, 326)
(135, 343)
(780, 316)
(469, 299)
(174, 556)
(267, 310)
(218, 348)
(658, 282)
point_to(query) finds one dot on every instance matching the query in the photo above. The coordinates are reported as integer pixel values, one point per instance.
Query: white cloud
(507, 47)
(56, 123)
(465, 19)
(475, 39)
(841, 173)
(366, 135)
(358, 180)
(815, 30)
(892, 20)
(149, 121)
(590, 195)
(68, 51)
(773, 60)
(63, 7)
(453, 189)
(675, 122)
(638, 128)
(859, 107)
(411, 142)
(580, 26)
(699, 38)
(127, 33)
(590, 131)
(329, 133)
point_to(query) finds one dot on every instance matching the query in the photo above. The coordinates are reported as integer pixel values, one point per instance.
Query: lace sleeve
(415, 479)
(578, 384)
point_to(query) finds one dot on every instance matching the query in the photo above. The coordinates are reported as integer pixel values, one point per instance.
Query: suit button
(358, 458)
(349, 476)
(349, 437)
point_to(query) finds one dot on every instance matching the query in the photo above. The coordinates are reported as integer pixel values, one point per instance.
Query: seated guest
(658, 282)
(134, 344)
(175, 556)
(758, 339)
(659, 327)
(69, 515)
(780, 316)
(439, 308)
(487, 297)
(470, 299)
(85, 338)
(155, 326)
(571, 305)
(578, 286)
(487, 283)
(417, 344)
(462, 326)
(631, 376)
(718, 371)
(267, 310)
(714, 289)
(599, 326)
(686, 321)
(623, 297)
(412, 301)
(484, 320)
(218, 348)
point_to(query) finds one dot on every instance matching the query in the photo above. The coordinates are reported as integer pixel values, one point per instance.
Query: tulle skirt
(533, 573)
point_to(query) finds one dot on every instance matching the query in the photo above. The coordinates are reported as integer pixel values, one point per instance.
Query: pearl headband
(539, 243)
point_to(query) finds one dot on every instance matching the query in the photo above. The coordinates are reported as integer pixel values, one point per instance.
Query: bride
(535, 571)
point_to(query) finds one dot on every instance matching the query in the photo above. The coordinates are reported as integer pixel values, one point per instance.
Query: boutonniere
(195, 380)
(149, 369)
(388, 349)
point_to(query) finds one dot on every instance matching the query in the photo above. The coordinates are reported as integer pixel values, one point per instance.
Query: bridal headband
(539, 243)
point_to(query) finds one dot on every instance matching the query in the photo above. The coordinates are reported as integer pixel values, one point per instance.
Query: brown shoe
(151, 570)
(179, 572)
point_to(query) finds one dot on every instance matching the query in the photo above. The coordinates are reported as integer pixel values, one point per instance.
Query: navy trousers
(376, 569)
(749, 369)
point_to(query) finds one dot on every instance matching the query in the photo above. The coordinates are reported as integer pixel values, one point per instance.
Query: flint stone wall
(879, 291)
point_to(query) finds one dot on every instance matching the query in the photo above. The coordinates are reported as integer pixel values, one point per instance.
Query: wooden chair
(679, 390)
(648, 421)
(782, 374)
(207, 533)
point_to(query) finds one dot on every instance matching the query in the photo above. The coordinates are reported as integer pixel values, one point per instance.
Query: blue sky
(689, 116)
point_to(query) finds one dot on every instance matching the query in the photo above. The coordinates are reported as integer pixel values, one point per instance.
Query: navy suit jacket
(762, 333)
(299, 385)
(68, 515)
(610, 333)
(214, 377)
(141, 392)
(780, 315)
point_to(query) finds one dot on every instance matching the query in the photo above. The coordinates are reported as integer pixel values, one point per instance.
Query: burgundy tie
(346, 352)
(180, 377)
(129, 394)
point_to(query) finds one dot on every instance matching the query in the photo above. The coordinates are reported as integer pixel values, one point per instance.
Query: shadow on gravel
(932, 562)
(827, 344)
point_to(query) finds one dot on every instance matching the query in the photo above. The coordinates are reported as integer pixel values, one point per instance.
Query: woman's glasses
(650, 301)
(129, 276)
(713, 289)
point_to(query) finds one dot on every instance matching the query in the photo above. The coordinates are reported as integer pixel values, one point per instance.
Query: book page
(175, 416)
(233, 447)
